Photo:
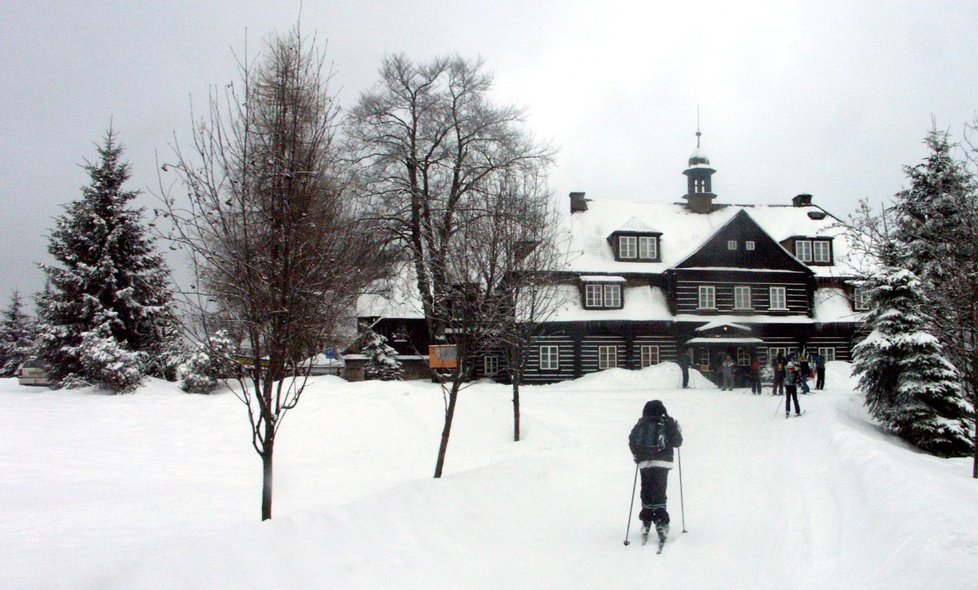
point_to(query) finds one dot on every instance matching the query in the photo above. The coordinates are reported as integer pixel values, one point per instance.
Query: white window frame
(549, 357)
(860, 299)
(707, 295)
(749, 245)
(648, 355)
(648, 248)
(612, 296)
(490, 365)
(743, 356)
(731, 244)
(803, 250)
(740, 293)
(827, 352)
(782, 298)
(607, 356)
(704, 360)
(821, 251)
(772, 353)
(594, 295)
(627, 247)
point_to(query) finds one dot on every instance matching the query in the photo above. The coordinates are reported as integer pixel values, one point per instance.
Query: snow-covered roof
(833, 306)
(636, 225)
(602, 279)
(640, 304)
(684, 231)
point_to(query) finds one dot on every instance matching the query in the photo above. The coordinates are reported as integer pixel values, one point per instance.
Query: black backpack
(652, 434)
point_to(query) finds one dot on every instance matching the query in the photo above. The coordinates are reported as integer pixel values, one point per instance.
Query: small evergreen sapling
(205, 366)
(382, 360)
(16, 337)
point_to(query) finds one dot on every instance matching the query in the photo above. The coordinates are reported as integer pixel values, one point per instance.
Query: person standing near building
(778, 367)
(819, 361)
(791, 388)
(652, 441)
(728, 373)
(755, 376)
(683, 361)
(802, 373)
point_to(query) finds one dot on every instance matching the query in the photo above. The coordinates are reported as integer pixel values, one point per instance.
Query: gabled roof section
(636, 226)
(767, 254)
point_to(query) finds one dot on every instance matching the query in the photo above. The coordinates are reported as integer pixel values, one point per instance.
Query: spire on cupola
(699, 186)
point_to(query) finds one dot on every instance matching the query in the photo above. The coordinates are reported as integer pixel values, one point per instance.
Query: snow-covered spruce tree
(382, 360)
(107, 299)
(937, 228)
(909, 386)
(16, 336)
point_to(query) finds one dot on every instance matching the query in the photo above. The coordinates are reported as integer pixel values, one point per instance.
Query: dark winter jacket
(674, 437)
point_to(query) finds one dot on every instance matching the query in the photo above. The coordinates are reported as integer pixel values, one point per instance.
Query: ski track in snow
(161, 490)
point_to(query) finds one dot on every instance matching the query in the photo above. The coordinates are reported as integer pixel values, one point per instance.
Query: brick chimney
(802, 200)
(578, 203)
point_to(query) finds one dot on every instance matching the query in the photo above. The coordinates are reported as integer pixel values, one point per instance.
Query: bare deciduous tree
(431, 146)
(278, 244)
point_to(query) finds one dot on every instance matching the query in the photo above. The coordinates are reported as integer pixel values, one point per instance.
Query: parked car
(32, 373)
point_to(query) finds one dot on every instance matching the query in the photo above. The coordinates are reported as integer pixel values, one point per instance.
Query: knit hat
(654, 408)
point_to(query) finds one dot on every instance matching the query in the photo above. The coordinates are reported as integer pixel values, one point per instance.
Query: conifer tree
(107, 306)
(910, 386)
(16, 337)
(382, 360)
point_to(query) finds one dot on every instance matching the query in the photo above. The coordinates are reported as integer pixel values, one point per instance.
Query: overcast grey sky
(825, 97)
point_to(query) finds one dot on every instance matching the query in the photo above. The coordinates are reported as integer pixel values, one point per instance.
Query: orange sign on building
(443, 356)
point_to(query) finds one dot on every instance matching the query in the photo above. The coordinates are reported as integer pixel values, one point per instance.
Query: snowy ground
(160, 489)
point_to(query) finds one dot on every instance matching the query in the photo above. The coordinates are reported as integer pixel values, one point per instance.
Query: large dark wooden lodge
(648, 281)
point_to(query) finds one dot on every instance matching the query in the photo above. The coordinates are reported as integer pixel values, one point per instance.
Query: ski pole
(682, 505)
(778, 409)
(631, 506)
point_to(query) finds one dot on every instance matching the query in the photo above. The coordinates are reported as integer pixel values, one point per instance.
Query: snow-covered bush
(382, 360)
(201, 370)
(108, 364)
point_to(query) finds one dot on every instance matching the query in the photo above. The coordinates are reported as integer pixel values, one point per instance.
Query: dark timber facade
(651, 281)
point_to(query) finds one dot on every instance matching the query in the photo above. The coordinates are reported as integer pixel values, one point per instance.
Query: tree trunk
(516, 408)
(974, 464)
(266, 490)
(447, 430)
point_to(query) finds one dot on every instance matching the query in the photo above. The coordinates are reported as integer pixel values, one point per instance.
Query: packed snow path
(160, 489)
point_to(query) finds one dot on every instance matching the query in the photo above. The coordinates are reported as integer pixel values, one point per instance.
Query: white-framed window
(490, 365)
(549, 357)
(648, 247)
(774, 351)
(593, 296)
(742, 297)
(612, 295)
(743, 357)
(861, 299)
(607, 356)
(731, 244)
(779, 299)
(626, 247)
(803, 250)
(827, 353)
(708, 297)
(704, 359)
(749, 245)
(649, 355)
(821, 251)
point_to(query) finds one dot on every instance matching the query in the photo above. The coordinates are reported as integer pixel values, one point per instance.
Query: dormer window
(627, 247)
(603, 292)
(648, 247)
(812, 251)
(635, 244)
(803, 250)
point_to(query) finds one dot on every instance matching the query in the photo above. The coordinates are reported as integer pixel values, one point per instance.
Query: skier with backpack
(652, 441)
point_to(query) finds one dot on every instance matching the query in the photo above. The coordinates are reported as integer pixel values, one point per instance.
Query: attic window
(635, 247)
(603, 292)
(749, 245)
(731, 244)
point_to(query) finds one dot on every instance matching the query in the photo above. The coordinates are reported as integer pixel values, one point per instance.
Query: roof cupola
(699, 185)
